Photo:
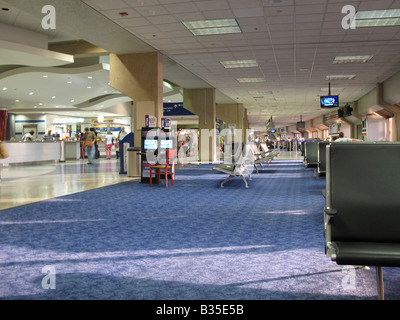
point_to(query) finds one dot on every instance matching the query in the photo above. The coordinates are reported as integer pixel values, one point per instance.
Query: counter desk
(22, 152)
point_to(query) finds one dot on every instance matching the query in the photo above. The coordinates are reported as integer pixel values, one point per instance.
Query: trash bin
(134, 162)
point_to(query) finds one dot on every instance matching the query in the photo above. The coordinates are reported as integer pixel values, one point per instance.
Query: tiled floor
(23, 184)
(28, 183)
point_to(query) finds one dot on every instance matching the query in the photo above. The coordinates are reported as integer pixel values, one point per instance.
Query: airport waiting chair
(260, 156)
(267, 152)
(311, 154)
(321, 169)
(361, 215)
(165, 170)
(239, 168)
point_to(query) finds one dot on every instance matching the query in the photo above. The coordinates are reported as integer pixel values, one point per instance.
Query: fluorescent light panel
(341, 77)
(245, 80)
(378, 18)
(239, 64)
(378, 14)
(212, 27)
(377, 23)
(260, 93)
(352, 59)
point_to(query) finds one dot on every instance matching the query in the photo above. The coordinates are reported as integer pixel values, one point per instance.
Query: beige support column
(246, 120)
(202, 103)
(140, 77)
(391, 108)
(234, 114)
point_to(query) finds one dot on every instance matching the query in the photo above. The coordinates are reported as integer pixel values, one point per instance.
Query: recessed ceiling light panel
(351, 59)
(378, 14)
(378, 18)
(341, 77)
(239, 64)
(212, 27)
(247, 80)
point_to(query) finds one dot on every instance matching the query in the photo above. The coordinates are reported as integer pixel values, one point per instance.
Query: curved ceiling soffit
(106, 101)
(20, 54)
(57, 70)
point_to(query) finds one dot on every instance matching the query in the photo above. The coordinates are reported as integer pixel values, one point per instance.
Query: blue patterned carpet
(193, 241)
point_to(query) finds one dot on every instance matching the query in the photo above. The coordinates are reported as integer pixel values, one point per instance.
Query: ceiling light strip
(212, 27)
(378, 14)
(239, 64)
(378, 18)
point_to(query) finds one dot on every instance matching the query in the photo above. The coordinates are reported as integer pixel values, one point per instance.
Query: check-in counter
(72, 150)
(21, 152)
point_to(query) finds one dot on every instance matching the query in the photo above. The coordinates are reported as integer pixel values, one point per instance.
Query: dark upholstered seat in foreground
(362, 211)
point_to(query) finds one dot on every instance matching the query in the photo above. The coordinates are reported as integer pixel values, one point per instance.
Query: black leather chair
(311, 154)
(362, 210)
(321, 169)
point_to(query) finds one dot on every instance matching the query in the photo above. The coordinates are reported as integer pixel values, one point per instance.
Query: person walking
(109, 143)
(89, 139)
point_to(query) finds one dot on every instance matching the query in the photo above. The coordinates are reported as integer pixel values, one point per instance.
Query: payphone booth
(155, 143)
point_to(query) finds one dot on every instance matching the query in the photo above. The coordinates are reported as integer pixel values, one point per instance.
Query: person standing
(28, 136)
(96, 144)
(122, 134)
(48, 136)
(89, 139)
(109, 143)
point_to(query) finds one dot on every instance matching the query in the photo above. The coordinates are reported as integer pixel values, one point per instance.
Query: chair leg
(166, 178)
(379, 278)
(158, 176)
(226, 180)
(172, 179)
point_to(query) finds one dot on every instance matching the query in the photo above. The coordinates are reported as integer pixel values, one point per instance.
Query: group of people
(90, 140)
(29, 136)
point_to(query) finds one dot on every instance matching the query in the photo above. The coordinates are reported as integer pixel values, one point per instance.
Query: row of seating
(362, 205)
(261, 153)
(314, 156)
(250, 155)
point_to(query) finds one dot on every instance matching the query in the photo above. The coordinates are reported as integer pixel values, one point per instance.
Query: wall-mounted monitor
(329, 101)
(301, 125)
(347, 111)
(150, 144)
(167, 144)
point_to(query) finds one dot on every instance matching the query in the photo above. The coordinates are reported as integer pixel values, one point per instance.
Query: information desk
(20, 152)
(72, 150)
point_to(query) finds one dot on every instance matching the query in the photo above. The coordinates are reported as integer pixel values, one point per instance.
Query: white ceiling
(293, 41)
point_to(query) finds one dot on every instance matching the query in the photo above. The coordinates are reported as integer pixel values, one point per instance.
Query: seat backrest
(255, 150)
(362, 191)
(246, 156)
(311, 151)
(170, 157)
(264, 147)
(322, 156)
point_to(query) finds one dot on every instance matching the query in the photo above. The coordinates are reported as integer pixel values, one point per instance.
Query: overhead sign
(176, 109)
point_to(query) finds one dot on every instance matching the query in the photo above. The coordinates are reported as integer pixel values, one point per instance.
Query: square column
(140, 77)
(202, 103)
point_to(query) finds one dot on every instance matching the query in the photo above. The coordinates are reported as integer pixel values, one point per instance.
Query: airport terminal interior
(283, 121)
